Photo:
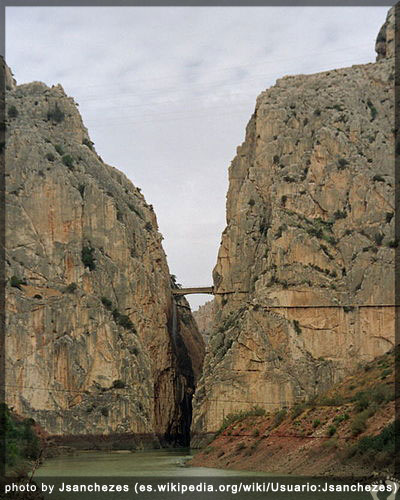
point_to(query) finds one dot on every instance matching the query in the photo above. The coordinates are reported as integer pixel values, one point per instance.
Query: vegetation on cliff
(350, 429)
(21, 442)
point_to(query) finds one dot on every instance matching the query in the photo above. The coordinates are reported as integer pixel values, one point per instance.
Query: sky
(166, 93)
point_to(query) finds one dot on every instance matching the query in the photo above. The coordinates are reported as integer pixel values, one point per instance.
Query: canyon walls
(304, 279)
(95, 343)
(204, 317)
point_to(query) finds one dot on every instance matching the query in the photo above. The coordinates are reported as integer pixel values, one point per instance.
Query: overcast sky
(166, 93)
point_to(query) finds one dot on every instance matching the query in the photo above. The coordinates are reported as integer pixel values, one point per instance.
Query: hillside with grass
(349, 430)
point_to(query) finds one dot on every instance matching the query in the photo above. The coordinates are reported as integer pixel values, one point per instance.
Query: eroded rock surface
(94, 342)
(304, 279)
(205, 318)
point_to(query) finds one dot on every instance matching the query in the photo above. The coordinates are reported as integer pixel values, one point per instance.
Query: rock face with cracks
(304, 279)
(95, 343)
(204, 317)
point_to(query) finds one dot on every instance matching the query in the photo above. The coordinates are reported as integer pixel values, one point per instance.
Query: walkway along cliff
(93, 343)
(304, 281)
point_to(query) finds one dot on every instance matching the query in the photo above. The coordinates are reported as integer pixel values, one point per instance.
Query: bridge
(189, 291)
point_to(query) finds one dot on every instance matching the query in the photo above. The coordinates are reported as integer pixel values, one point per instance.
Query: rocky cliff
(204, 317)
(95, 342)
(304, 279)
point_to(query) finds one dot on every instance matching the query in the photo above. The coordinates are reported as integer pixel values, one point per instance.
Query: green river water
(150, 469)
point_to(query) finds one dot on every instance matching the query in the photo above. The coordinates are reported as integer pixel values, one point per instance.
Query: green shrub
(88, 258)
(123, 320)
(17, 282)
(106, 303)
(20, 440)
(119, 213)
(104, 411)
(298, 410)
(280, 417)
(13, 111)
(378, 450)
(335, 400)
(264, 226)
(297, 327)
(378, 238)
(316, 423)
(238, 416)
(255, 433)
(341, 418)
(393, 243)
(372, 109)
(383, 394)
(118, 384)
(148, 226)
(342, 163)
(81, 189)
(288, 178)
(71, 288)
(55, 114)
(386, 372)
(359, 423)
(362, 400)
(330, 239)
(87, 142)
(378, 178)
(317, 232)
(331, 430)
(389, 217)
(50, 157)
(68, 161)
(126, 323)
(59, 149)
(340, 214)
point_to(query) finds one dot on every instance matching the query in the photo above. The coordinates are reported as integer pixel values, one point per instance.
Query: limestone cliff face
(304, 279)
(95, 343)
(385, 41)
(204, 317)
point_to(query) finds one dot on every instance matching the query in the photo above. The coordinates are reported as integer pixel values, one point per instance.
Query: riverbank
(348, 431)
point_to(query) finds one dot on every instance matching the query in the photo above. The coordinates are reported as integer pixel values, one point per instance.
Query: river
(161, 463)
(148, 470)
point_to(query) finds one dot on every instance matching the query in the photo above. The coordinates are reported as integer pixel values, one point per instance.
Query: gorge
(101, 343)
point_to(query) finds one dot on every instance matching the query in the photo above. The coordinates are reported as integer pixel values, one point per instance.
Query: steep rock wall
(204, 317)
(304, 279)
(91, 345)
